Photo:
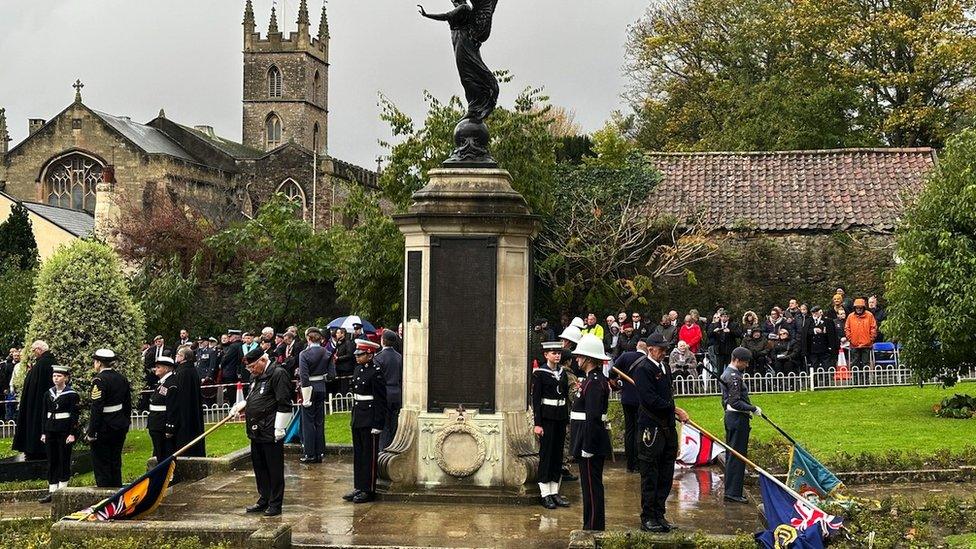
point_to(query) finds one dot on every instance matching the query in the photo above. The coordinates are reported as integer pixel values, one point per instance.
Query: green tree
(773, 74)
(83, 304)
(283, 268)
(932, 290)
(17, 245)
(368, 260)
(16, 295)
(521, 142)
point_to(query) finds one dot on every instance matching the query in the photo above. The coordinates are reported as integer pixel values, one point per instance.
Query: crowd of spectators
(786, 340)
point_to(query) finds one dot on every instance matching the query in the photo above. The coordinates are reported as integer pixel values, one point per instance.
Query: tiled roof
(145, 137)
(822, 190)
(76, 222)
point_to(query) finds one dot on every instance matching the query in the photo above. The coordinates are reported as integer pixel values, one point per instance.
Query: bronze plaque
(414, 284)
(461, 341)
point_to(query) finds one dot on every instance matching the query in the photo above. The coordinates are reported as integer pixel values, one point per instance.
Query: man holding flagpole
(738, 412)
(267, 410)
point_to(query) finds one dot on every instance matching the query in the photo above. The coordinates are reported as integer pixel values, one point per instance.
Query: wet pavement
(318, 515)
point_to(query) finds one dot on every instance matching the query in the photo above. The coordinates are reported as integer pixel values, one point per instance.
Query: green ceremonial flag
(809, 477)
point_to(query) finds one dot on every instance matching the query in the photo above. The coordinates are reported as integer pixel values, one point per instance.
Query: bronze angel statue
(470, 27)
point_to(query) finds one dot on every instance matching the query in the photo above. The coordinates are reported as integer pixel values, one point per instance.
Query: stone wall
(757, 271)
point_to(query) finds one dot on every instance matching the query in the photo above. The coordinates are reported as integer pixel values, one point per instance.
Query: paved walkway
(318, 515)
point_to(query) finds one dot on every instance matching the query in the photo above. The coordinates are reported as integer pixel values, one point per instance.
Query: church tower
(286, 84)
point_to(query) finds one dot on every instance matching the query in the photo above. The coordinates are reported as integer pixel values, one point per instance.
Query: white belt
(362, 397)
(157, 407)
(113, 408)
(581, 416)
(59, 415)
(316, 378)
(554, 402)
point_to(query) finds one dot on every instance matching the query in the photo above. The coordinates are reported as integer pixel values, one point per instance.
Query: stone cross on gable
(77, 86)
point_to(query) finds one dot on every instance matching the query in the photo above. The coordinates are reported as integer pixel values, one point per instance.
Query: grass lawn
(851, 420)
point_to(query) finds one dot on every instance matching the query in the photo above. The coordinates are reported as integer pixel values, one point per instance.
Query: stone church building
(87, 160)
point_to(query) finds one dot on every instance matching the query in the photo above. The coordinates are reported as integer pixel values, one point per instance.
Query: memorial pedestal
(465, 419)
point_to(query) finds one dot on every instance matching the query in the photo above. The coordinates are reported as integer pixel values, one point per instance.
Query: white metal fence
(811, 380)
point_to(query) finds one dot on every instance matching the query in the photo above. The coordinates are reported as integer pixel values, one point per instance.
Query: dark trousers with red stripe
(365, 449)
(591, 483)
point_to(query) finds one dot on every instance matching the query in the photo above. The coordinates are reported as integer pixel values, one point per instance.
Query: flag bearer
(368, 418)
(60, 426)
(111, 409)
(591, 440)
(550, 385)
(268, 411)
(738, 412)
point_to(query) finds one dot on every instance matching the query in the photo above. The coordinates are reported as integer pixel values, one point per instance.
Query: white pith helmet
(571, 333)
(590, 346)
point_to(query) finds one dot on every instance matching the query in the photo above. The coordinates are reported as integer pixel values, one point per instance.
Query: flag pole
(762, 415)
(758, 469)
(203, 435)
(623, 376)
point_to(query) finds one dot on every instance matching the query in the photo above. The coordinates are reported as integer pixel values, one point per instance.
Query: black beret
(741, 353)
(253, 355)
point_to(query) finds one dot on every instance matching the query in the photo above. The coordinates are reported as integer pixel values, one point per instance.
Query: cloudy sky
(136, 56)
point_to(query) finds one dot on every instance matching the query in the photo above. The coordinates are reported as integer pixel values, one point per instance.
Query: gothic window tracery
(293, 191)
(274, 82)
(70, 181)
(273, 131)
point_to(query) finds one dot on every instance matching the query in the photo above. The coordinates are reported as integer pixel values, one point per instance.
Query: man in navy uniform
(368, 418)
(111, 409)
(588, 424)
(738, 412)
(550, 386)
(267, 410)
(60, 415)
(390, 363)
(315, 369)
(657, 434)
(160, 424)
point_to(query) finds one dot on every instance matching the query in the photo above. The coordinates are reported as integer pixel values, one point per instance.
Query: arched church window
(293, 191)
(274, 82)
(273, 131)
(315, 137)
(316, 87)
(70, 181)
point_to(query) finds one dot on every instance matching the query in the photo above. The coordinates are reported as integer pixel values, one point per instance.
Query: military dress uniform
(111, 408)
(368, 418)
(61, 413)
(550, 389)
(657, 438)
(268, 411)
(738, 412)
(591, 444)
(315, 369)
(161, 423)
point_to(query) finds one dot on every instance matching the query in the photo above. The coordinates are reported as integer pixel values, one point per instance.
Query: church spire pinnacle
(303, 14)
(323, 24)
(249, 23)
(273, 24)
(4, 135)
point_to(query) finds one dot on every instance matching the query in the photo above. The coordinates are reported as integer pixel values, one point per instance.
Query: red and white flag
(694, 449)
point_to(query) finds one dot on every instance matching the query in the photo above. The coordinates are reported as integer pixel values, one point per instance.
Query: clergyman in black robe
(30, 420)
(189, 409)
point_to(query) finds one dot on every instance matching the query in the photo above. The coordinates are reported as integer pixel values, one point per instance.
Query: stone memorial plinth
(465, 419)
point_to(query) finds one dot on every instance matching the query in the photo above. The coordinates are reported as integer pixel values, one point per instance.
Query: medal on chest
(263, 387)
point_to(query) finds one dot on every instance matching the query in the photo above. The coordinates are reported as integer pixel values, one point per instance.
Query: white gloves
(375, 431)
(238, 407)
(306, 397)
(586, 454)
(758, 412)
(279, 435)
(281, 423)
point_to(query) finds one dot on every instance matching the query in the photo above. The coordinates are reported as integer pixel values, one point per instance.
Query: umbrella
(347, 322)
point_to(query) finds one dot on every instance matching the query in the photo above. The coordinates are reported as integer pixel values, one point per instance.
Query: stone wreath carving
(454, 454)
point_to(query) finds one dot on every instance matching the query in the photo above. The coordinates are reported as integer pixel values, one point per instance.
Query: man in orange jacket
(861, 329)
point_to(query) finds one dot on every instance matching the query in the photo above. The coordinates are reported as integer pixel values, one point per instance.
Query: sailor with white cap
(550, 386)
(60, 429)
(159, 424)
(569, 337)
(111, 408)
